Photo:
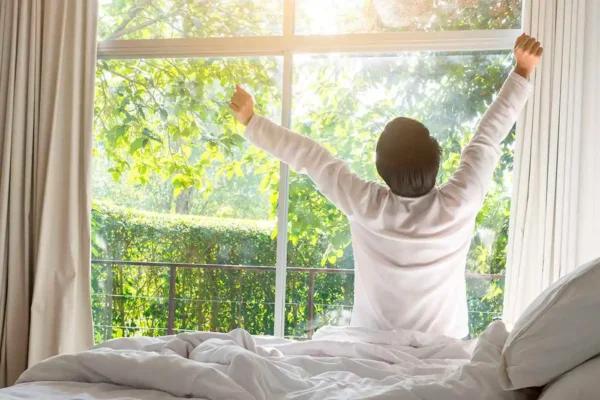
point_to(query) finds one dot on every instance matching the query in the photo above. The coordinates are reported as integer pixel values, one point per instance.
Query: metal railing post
(240, 300)
(311, 303)
(172, 275)
(108, 303)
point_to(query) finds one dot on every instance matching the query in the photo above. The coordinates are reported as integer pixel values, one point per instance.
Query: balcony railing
(172, 277)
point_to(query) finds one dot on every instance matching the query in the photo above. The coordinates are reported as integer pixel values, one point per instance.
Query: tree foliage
(377, 16)
(164, 19)
(167, 143)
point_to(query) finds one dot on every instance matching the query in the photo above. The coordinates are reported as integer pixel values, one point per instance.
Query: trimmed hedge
(213, 300)
(133, 235)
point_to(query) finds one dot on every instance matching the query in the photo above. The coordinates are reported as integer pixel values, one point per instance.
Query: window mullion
(284, 174)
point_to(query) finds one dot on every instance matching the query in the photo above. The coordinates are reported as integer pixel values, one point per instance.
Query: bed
(340, 362)
(553, 347)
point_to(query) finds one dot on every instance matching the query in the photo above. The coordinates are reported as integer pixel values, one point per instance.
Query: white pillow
(581, 383)
(559, 331)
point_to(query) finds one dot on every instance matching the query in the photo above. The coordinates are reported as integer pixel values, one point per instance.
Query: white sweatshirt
(410, 254)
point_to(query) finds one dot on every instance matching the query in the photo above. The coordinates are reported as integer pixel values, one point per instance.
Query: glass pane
(331, 17)
(129, 300)
(174, 182)
(227, 300)
(344, 101)
(485, 298)
(166, 19)
(315, 299)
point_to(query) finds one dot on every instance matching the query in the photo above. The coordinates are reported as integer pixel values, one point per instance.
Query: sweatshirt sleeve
(480, 157)
(332, 176)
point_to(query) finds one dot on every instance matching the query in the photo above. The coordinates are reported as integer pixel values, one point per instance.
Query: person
(410, 238)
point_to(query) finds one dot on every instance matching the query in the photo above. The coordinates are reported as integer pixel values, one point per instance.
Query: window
(174, 181)
(196, 230)
(344, 101)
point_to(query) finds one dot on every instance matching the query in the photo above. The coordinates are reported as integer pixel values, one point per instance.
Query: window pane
(165, 19)
(174, 182)
(331, 17)
(344, 101)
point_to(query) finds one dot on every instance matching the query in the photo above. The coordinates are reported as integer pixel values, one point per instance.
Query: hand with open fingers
(528, 53)
(242, 105)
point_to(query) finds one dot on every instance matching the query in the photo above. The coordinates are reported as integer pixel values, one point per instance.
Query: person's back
(410, 264)
(410, 238)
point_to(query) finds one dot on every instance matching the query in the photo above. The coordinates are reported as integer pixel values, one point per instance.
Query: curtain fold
(47, 72)
(588, 237)
(543, 232)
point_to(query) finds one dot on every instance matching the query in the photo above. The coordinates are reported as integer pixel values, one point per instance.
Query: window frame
(286, 46)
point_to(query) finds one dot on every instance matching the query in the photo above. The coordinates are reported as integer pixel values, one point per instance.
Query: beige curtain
(47, 68)
(543, 231)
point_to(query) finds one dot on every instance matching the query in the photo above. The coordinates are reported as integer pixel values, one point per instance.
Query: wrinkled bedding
(340, 362)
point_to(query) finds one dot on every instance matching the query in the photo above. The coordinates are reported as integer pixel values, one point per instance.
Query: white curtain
(543, 232)
(47, 68)
(588, 237)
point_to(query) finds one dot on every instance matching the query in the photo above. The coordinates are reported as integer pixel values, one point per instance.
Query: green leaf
(264, 183)
(164, 115)
(120, 130)
(238, 171)
(116, 174)
(138, 144)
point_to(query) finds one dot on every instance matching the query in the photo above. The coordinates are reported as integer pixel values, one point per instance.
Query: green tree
(169, 120)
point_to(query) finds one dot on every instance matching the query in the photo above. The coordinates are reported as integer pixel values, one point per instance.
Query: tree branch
(143, 25)
(134, 12)
(124, 31)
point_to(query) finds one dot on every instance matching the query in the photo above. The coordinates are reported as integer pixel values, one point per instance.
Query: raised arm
(332, 176)
(480, 157)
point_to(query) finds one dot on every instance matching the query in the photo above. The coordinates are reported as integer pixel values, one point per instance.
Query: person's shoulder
(374, 196)
(456, 202)
(377, 193)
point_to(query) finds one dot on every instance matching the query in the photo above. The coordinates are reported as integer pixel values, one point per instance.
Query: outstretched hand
(528, 53)
(242, 105)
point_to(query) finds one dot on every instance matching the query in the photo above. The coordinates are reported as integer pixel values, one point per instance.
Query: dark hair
(408, 158)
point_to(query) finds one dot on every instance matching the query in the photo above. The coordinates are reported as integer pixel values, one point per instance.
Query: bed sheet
(342, 363)
(79, 391)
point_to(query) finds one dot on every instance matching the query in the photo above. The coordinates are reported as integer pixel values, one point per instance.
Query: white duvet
(339, 363)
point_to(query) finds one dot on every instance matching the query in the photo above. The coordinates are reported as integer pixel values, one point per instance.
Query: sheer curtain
(544, 225)
(47, 68)
(588, 237)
